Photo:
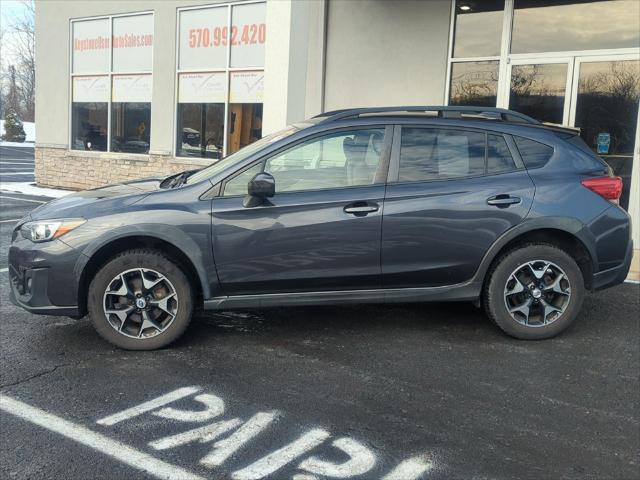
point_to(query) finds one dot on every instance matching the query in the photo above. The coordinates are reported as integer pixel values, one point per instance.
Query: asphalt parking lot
(367, 392)
(16, 164)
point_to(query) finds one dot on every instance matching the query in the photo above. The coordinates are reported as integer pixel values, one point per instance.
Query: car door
(321, 229)
(451, 194)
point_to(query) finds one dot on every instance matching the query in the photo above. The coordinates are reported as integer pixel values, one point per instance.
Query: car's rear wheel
(140, 300)
(534, 291)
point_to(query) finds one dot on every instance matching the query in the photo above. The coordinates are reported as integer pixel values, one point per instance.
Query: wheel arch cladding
(108, 250)
(567, 241)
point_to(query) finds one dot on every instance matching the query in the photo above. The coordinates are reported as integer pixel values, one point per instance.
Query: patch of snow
(17, 144)
(27, 188)
(29, 129)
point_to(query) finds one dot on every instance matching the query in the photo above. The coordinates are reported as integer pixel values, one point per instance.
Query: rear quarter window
(534, 154)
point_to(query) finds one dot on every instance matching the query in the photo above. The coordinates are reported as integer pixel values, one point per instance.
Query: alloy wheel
(537, 293)
(140, 303)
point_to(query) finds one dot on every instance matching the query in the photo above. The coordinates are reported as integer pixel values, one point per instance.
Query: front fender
(198, 252)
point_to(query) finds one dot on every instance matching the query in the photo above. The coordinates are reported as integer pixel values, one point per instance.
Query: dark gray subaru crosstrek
(400, 204)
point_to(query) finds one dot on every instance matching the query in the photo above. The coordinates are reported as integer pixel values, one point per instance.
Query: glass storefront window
(571, 25)
(248, 35)
(101, 83)
(200, 130)
(538, 90)
(478, 28)
(245, 125)
(220, 61)
(607, 113)
(130, 127)
(89, 126)
(474, 83)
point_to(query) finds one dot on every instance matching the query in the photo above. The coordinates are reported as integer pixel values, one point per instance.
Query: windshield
(241, 154)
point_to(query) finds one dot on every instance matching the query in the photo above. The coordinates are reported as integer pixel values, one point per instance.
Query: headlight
(45, 230)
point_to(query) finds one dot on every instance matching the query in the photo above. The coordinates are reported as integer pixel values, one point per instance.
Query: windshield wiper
(177, 179)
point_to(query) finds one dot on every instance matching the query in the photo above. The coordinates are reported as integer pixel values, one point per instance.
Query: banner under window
(202, 87)
(91, 46)
(132, 88)
(246, 87)
(91, 88)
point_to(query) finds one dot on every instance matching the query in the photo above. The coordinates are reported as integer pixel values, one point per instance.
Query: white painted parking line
(2, 163)
(204, 434)
(22, 199)
(10, 220)
(105, 445)
(148, 406)
(8, 174)
(410, 468)
(233, 434)
(360, 461)
(281, 457)
(5, 269)
(223, 449)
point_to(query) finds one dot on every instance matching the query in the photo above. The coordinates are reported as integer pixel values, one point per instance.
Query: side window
(238, 184)
(340, 159)
(499, 157)
(433, 154)
(534, 154)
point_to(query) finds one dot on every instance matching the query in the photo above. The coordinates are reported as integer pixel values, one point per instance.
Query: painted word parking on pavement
(198, 418)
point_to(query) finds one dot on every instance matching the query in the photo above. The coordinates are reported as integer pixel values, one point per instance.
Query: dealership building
(130, 89)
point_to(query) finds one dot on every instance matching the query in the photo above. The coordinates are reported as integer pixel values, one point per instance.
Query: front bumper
(616, 275)
(42, 277)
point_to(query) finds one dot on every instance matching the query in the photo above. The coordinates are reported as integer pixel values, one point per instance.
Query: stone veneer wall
(76, 170)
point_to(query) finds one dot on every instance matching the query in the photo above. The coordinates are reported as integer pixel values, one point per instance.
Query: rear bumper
(616, 275)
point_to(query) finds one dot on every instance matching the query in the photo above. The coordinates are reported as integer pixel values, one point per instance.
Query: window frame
(394, 167)
(380, 177)
(110, 74)
(227, 70)
(505, 58)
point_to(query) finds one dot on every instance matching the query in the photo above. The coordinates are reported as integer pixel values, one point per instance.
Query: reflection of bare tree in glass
(474, 85)
(538, 91)
(608, 95)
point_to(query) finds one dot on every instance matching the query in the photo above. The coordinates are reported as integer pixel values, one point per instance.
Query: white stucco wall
(386, 53)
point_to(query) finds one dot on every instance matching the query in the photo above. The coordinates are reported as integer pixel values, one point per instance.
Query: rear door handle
(360, 209)
(503, 201)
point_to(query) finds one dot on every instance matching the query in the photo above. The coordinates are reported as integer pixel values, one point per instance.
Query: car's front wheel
(534, 292)
(140, 300)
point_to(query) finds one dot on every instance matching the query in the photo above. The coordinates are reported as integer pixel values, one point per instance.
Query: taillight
(609, 188)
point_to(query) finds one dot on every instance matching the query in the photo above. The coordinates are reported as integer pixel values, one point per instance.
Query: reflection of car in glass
(394, 204)
(192, 147)
(132, 145)
(191, 137)
(95, 139)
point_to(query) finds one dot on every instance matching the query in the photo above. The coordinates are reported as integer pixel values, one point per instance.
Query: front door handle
(360, 209)
(503, 201)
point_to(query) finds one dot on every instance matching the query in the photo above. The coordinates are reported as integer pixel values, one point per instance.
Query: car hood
(104, 198)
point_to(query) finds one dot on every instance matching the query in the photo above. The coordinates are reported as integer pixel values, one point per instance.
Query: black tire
(146, 259)
(493, 297)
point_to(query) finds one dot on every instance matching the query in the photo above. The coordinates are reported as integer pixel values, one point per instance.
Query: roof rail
(489, 113)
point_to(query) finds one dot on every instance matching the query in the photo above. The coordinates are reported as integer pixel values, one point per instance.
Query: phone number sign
(205, 36)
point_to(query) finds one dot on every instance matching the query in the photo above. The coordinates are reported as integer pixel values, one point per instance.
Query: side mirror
(263, 185)
(260, 187)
